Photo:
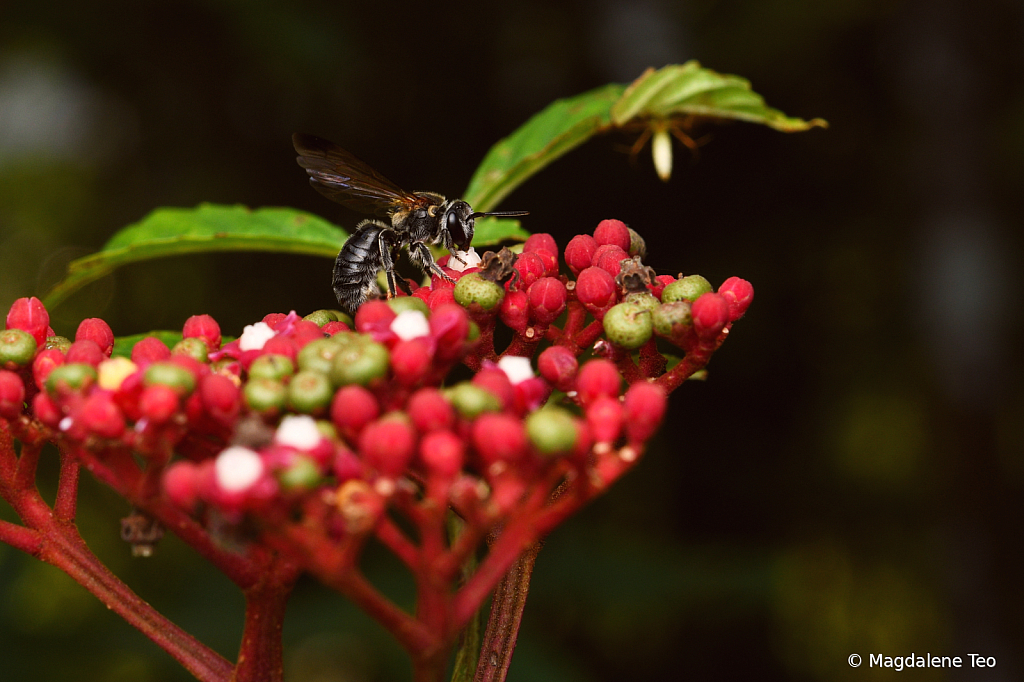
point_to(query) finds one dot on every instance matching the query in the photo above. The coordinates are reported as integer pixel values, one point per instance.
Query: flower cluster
(314, 434)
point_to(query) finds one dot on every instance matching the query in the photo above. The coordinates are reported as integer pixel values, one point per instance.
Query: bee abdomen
(355, 270)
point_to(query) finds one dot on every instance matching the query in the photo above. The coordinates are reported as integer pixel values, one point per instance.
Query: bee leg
(420, 254)
(386, 242)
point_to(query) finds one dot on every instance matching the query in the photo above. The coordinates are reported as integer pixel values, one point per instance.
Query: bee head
(458, 221)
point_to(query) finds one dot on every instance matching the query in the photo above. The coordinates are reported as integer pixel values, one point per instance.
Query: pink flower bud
(150, 350)
(203, 327)
(596, 290)
(642, 410)
(95, 329)
(29, 315)
(352, 408)
(99, 415)
(579, 253)
(530, 394)
(442, 453)
(515, 310)
(609, 257)
(548, 298)
(85, 351)
(598, 378)
(498, 437)
(346, 465)
(12, 394)
(559, 366)
(612, 232)
(449, 326)
(710, 315)
(604, 416)
(739, 293)
(430, 411)
(388, 444)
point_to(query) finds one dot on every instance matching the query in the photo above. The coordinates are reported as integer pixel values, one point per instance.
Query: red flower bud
(530, 267)
(46, 410)
(579, 253)
(442, 453)
(514, 310)
(352, 408)
(604, 416)
(739, 293)
(497, 383)
(85, 351)
(203, 327)
(150, 350)
(541, 241)
(101, 416)
(642, 410)
(274, 319)
(609, 257)
(662, 282)
(334, 327)
(440, 296)
(498, 437)
(598, 378)
(279, 345)
(410, 361)
(158, 403)
(449, 325)
(710, 315)
(374, 316)
(95, 329)
(612, 232)
(29, 315)
(558, 365)
(388, 444)
(181, 484)
(530, 394)
(430, 411)
(221, 398)
(12, 394)
(44, 363)
(596, 290)
(548, 298)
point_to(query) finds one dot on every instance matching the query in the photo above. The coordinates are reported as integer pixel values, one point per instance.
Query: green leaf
(689, 89)
(563, 125)
(491, 231)
(208, 227)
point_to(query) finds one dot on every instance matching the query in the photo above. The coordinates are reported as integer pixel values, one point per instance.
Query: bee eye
(457, 229)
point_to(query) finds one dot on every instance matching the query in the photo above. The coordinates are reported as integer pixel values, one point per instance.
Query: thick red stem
(260, 658)
(507, 607)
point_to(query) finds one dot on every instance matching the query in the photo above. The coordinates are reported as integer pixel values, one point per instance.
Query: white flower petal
(255, 335)
(516, 368)
(299, 432)
(237, 468)
(471, 258)
(410, 324)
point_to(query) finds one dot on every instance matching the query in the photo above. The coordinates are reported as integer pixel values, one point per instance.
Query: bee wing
(343, 178)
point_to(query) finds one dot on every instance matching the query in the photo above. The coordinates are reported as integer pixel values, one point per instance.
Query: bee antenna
(504, 214)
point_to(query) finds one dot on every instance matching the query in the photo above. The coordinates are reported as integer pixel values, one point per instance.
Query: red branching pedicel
(318, 438)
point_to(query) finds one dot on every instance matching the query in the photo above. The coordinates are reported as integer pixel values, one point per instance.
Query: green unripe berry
(552, 430)
(17, 347)
(343, 317)
(321, 317)
(402, 303)
(360, 362)
(266, 396)
(318, 355)
(474, 332)
(470, 400)
(689, 288)
(644, 299)
(309, 392)
(194, 348)
(277, 367)
(61, 343)
(75, 377)
(473, 290)
(303, 474)
(627, 325)
(171, 375)
(670, 319)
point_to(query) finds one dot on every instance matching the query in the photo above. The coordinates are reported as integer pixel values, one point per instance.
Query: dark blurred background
(848, 480)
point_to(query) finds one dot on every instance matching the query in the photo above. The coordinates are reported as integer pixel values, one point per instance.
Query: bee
(415, 220)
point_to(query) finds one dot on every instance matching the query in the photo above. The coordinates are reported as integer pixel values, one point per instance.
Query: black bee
(416, 220)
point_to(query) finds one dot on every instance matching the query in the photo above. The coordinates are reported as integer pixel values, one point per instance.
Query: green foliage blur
(849, 478)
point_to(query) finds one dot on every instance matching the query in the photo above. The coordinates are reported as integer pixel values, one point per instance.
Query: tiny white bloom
(471, 258)
(299, 432)
(661, 149)
(410, 324)
(237, 468)
(255, 335)
(516, 368)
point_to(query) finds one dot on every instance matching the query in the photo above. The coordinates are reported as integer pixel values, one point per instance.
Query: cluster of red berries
(316, 427)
